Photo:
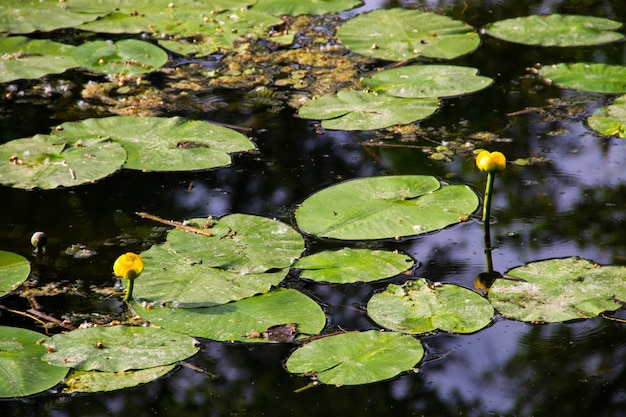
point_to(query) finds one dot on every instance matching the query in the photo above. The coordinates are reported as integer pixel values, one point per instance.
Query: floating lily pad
(399, 34)
(244, 320)
(556, 30)
(359, 110)
(384, 207)
(14, 269)
(353, 265)
(558, 290)
(422, 81)
(610, 120)
(118, 348)
(23, 372)
(163, 144)
(354, 358)
(598, 78)
(315, 7)
(26, 16)
(48, 162)
(128, 56)
(97, 381)
(420, 307)
(24, 58)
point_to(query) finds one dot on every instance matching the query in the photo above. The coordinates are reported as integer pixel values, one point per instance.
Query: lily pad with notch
(98, 381)
(385, 207)
(27, 16)
(610, 120)
(313, 7)
(557, 290)
(597, 78)
(127, 56)
(24, 58)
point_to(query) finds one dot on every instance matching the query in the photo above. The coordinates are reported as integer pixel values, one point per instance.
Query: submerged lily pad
(598, 78)
(127, 56)
(359, 110)
(420, 307)
(315, 7)
(118, 348)
(14, 269)
(610, 120)
(556, 30)
(97, 381)
(23, 371)
(163, 144)
(399, 34)
(354, 358)
(422, 81)
(558, 290)
(47, 162)
(24, 58)
(353, 265)
(384, 207)
(26, 16)
(244, 320)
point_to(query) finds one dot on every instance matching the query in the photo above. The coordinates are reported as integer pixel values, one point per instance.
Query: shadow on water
(573, 204)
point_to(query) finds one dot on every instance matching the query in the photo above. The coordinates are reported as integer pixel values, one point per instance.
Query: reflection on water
(574, 204)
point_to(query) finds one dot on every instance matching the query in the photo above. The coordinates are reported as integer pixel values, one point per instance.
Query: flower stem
(129, 290)
(487, 222)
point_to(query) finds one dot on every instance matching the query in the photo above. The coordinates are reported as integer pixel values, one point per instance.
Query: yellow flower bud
(128, 266)
(491, 161)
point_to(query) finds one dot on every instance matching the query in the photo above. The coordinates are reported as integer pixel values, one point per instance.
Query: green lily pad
(128, 56)
(26, 16)
(14, 269)
(353, 265)
(598, 78)
(244, 320)
(97, 381)
(556, 30)
(610, 120)
(24, 58)
(384, 207)
(399, 34)
(48, 162)
(558, 290)
(163, 144)
(118, 348)
(420, 307)
(354, 358)
(422, 81)
(314, 7)
(23, 372)
(359, 110)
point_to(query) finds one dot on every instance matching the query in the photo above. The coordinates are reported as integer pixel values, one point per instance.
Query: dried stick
(174, 223)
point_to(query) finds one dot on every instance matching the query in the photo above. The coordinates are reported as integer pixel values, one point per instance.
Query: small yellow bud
(128, 266)
(491, 161)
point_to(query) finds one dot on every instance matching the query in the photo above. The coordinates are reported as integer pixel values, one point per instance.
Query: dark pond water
(573, 204)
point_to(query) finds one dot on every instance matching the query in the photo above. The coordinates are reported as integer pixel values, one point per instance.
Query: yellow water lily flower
(128, 266)
(491, 161)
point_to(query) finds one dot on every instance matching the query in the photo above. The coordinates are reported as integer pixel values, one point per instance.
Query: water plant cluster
(220, 278)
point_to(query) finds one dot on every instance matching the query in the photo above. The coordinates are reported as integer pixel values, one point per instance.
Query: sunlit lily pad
(118, 348)
(315, 7)
(23, 372)
(48, 162)
(24, 58)
(420, 307)
(97, 381)
(244, 320)
(598, 78)
(556, 30)
(127, 56)
(163, 144)
(14, 269)
(353, 265)
(26, 16)
(399, 34)
(354, 358)
(359, 110)
(558, 290)
(610, 120)
(424, 81)
(384, 207)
